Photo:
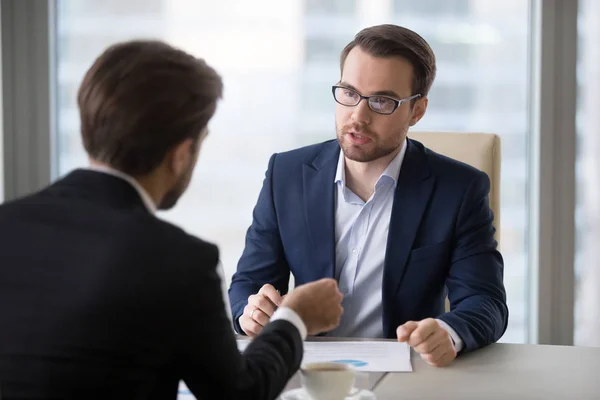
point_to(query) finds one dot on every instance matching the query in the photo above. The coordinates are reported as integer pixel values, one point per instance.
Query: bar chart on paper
(183, 393)
(368, 356)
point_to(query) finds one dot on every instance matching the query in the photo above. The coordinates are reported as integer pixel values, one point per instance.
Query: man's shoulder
(448, 168)
(174, 233)
(137, 229)
(176, 243)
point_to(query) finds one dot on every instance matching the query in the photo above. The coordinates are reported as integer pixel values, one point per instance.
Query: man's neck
(361, 177)
(147, 183)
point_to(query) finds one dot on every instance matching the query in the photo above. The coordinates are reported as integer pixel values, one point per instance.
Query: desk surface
(499, 371)
(502, 371)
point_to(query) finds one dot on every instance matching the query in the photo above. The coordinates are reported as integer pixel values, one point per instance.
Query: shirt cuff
(458, 343)
(287, 314)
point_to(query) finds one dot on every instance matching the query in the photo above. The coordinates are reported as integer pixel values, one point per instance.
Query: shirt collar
(146, 199)
(392, 170)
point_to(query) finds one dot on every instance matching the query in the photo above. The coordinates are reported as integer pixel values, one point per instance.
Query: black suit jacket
(101, 299)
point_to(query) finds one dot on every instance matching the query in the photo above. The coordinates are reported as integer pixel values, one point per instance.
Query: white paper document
(364, 356)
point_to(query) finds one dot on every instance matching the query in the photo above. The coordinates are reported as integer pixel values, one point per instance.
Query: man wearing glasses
(397, 225)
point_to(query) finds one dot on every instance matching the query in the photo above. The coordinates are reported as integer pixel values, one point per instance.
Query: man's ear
(419, 109)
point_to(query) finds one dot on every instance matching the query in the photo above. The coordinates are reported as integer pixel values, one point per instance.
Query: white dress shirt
(361, 232)
(283, 313)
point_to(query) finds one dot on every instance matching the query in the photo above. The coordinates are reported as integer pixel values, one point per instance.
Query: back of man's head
(140, 99)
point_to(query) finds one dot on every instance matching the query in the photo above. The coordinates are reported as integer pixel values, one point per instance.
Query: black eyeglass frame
(397, 102)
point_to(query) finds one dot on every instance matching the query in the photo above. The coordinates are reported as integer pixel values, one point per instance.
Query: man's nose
(362, 113)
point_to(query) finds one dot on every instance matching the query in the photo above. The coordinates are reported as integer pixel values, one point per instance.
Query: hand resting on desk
(429, 339)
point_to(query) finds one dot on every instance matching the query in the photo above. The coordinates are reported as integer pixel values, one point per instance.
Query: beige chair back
(480, 150)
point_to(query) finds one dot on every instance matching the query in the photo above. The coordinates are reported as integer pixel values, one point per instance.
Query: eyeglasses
(380, 104)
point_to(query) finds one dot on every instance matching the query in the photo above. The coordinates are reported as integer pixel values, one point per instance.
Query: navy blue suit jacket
(440, 242)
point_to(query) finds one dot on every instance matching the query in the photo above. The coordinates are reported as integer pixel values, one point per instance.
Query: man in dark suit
(101, 299)
(399, 226)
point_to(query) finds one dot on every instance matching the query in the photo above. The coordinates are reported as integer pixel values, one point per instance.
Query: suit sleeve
(211, 365)
(262, 260)
(479, 313)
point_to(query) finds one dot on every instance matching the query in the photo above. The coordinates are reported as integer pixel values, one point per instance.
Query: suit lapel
(318, 183)
(414, 188)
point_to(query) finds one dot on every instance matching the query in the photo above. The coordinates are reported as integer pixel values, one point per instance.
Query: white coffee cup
(329, 380)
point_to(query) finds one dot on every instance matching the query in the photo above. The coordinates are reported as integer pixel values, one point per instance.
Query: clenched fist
(318, 303)
(429, 339)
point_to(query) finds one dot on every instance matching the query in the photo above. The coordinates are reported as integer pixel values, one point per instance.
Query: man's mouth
(358, 137)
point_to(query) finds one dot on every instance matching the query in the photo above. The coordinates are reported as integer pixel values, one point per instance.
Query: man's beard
(370, 152)
(170, 199)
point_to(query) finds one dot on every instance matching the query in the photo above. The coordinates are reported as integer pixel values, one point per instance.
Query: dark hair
(395, 41)
(141, 98)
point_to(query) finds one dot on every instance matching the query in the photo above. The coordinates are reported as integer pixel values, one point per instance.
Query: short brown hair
(396, 41)
(141, 98)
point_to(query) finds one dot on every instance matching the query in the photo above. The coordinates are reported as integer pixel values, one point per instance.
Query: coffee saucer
(300, 394)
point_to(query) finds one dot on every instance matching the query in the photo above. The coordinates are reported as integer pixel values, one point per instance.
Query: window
(267, 47)
(330, 7)
(324, 50)
(587, 213)
(451, 98)
(447, 8)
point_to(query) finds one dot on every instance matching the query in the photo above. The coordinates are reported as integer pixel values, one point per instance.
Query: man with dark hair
(101, 299)
(397, 225)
